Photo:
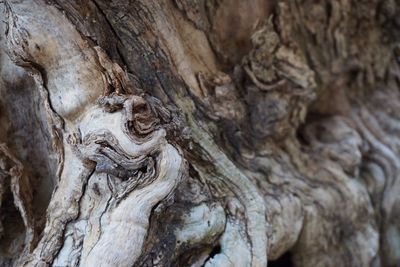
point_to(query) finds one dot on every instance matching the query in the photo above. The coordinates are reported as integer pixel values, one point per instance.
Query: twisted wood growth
(199, 133)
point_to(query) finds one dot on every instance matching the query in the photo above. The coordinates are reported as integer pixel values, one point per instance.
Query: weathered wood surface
(199, 133)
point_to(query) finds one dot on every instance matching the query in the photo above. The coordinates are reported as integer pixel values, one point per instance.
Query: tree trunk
(200, 133)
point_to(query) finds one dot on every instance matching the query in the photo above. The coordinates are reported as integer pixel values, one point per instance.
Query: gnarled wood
(201, 133)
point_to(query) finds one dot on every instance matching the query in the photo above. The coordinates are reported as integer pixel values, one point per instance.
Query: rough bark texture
(200, 133)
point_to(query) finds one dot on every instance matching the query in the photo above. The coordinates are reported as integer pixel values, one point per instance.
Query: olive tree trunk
(199, 133)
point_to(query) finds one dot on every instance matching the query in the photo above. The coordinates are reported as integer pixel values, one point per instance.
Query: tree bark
(199, 133)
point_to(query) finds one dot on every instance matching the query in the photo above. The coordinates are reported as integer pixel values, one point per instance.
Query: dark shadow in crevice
(215, 250)
(311, 118)
(283, 261)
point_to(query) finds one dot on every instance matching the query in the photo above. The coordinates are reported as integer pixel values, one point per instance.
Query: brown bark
(199, 133)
